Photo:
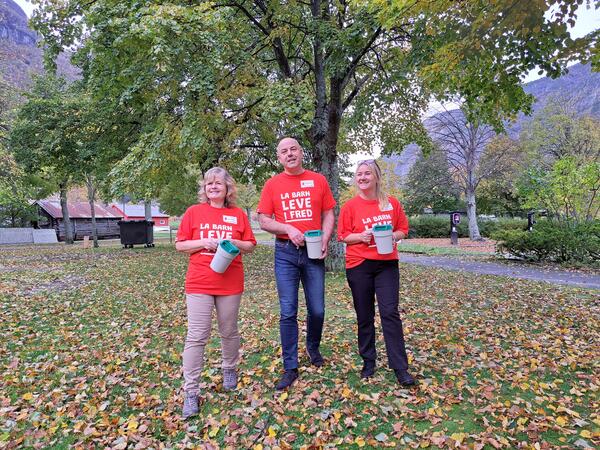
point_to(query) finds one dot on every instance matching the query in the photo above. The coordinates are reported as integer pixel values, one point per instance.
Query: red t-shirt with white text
(204, 221)
(358, 215)
(296, 199)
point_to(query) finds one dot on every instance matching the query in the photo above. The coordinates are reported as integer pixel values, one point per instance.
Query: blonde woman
(202, 227)
(371, 274)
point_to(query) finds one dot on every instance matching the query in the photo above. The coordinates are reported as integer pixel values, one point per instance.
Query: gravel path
(583, 280)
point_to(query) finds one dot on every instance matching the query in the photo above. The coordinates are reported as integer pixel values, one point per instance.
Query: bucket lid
(382, 227)
(313, 233)
(229, 247)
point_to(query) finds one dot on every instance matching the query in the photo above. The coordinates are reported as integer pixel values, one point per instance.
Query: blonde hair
(381, 195)
(231, 190)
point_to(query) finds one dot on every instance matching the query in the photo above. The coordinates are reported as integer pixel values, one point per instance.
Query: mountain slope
(20, 57)
(580, 86)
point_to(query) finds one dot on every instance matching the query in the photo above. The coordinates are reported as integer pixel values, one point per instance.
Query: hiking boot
(316, 359)
(191, 405)
(368, 370)
(230, 379)
(289, 376)
(404, 378)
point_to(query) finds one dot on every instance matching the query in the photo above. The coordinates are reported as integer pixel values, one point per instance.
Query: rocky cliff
(13, 25)
(20, 56)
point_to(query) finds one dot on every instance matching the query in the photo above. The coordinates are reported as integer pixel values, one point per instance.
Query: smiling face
(215, 189)
(289, 154)
(365, 179)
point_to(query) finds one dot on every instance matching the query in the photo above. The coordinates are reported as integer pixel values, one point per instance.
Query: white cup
(226, 252)
(314, 241)
(384, 239)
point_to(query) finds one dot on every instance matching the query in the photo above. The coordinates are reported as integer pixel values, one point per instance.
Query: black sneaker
(316, 359)
(289, 376)
(367, 371)
(404, 378)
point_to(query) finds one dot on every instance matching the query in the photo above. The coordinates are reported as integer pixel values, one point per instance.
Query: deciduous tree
(430, 185)
(563, 167)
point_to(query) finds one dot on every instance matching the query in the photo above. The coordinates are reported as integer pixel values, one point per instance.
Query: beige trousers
(199, 315)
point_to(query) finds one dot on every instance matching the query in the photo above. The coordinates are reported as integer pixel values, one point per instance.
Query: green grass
(90, 344)
(408, 247)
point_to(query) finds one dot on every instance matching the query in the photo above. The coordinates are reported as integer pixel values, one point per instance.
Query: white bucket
(226, 252)
(314, 242)
(384, 239)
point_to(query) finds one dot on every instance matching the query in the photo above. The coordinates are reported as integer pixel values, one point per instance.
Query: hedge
(439, 227)
(553, 241)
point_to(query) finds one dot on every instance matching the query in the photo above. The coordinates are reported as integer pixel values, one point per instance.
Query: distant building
(51, 217)
(137, 212)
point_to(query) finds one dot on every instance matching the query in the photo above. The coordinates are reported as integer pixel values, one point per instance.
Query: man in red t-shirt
(291, 203)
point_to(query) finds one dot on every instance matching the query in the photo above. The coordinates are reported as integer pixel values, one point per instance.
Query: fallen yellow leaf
(458, 437)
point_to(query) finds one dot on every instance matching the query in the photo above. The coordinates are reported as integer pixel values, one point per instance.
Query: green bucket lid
(313, 233)
(229, 247)
(382, 227)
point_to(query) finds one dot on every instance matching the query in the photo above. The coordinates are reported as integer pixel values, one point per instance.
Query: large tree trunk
(91, 189)
(65, 212)
(472, 214)
(323, 137)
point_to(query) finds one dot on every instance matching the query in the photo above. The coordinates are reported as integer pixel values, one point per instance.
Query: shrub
(553, 241)
(487, 228)
(434, 227)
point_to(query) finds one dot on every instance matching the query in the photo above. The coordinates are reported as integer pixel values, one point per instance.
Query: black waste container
(137, 232)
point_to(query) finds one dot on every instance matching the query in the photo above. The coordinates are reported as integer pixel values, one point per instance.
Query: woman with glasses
(202, 227)
(373, 275)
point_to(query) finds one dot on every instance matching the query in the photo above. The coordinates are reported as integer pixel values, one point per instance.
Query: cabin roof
(78, 210)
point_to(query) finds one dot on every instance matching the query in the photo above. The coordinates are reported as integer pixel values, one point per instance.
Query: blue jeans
(292, 265)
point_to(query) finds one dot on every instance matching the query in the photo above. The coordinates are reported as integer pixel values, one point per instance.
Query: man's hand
(324, 249)
(295, 236)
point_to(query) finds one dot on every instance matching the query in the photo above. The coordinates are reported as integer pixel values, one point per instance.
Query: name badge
(307, 183)
(389, 207)
(230, 219)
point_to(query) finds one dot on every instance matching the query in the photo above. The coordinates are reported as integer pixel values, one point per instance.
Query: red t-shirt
(296, 199)
(205, 221)
(358, 215)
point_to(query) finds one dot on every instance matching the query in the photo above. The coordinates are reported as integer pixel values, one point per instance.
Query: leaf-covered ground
(90, 345)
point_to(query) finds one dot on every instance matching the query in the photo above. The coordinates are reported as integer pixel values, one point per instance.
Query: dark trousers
(381, 279)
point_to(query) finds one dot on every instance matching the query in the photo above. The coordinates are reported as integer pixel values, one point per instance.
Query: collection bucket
(226, 252)
(384, 240)
(313, 240)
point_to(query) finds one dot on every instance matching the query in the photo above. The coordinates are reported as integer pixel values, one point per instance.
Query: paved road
(516, 270)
